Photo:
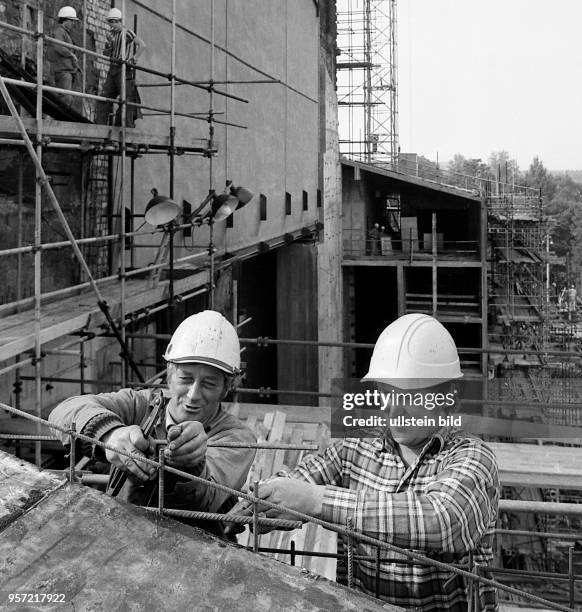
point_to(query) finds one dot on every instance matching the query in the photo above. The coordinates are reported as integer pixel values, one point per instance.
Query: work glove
(289, 492)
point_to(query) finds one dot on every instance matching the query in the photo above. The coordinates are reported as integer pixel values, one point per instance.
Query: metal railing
(359, 243)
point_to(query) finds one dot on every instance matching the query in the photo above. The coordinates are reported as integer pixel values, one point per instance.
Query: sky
(476, 76)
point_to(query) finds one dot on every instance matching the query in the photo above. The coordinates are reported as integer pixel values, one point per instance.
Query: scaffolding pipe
(101, 148)
(66, 243)
(123, 102)
(37, 229)
(80, 94)
(67, 291)
(264, 341)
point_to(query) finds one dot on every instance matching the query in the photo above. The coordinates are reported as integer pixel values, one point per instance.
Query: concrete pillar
(329, 279)
(297, 320)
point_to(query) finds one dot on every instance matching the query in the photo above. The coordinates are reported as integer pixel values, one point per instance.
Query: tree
(564, 213)
(462, 170)
(537, 176)
(504, 168)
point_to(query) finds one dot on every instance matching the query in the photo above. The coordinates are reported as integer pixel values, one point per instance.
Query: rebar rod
(229, 518)
(413, 556)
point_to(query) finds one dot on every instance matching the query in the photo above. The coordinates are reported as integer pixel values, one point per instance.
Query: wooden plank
(539, 466)
(325, 542)
(275, 435)
(77, 312)
(293, 414)
(291, 457)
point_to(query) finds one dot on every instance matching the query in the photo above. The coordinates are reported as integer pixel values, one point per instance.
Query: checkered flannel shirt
(443, 506)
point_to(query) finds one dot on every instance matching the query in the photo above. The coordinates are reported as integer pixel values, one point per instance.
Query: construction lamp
(161, 209)
(243, 194)
(223, 206)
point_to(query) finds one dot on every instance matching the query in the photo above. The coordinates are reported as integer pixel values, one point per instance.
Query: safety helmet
(414, 352)
(67, 12)
(114, 13)
(206, 337)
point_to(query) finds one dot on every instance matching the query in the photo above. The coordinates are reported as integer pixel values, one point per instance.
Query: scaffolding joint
(37, 360)
(262, 341)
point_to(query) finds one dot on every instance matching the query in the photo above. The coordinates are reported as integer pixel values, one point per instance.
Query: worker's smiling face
(196, 391)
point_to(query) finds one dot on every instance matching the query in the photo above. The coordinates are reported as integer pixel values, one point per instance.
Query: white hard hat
(206, 337)
(415, 351)
(114, 13)
(67, 12)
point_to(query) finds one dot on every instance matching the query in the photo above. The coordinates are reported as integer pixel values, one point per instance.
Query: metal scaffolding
(92, 273)
(367, 81)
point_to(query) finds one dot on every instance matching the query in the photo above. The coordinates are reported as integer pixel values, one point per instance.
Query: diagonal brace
(43, 179)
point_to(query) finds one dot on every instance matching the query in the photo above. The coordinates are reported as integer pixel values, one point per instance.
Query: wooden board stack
(279, 424)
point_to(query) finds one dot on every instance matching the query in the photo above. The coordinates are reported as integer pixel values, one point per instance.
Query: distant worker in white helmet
(112, 88)
(427, 487)
(203, 362)
(63, 62)
(571, 301)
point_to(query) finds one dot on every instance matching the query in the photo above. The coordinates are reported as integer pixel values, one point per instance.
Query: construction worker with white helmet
(114, 49)
(63, 62)
(428, 487)
(203, 358)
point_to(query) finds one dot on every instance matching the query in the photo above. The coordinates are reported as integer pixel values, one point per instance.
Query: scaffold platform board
(79, 312)
(540, 466)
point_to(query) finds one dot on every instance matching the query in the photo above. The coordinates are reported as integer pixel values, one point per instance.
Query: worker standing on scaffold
(63, 61)
(430, 488)
(134, 47)
(203, 365)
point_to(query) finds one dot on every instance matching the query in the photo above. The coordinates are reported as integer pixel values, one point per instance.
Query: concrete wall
(278, 150)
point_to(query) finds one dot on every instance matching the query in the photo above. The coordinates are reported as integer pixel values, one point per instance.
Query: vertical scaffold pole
(38, 237)
(123, 113)
(172, 161)
(211, 146)
(256, 534)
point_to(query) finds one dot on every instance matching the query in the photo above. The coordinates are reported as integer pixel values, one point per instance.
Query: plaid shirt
(442, 506)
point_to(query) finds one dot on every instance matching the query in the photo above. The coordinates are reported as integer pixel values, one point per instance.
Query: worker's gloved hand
(131, 440)
(186, 444)
(289, 492)
(293, 494)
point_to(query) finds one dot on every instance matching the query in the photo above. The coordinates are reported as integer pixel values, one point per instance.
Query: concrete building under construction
(309, 242)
